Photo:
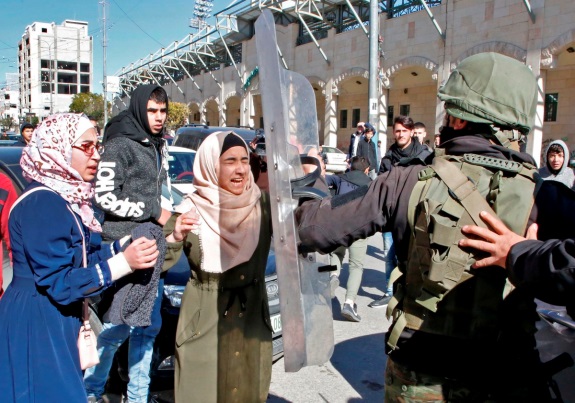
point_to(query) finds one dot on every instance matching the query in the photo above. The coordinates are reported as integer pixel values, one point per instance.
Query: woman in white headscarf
(223, 338)
(50, 224)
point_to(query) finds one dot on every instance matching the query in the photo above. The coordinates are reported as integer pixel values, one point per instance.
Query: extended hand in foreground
(184, 224)
(142, 253)
(497, 242)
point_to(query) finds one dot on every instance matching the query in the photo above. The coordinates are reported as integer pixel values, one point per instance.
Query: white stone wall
(417, 60)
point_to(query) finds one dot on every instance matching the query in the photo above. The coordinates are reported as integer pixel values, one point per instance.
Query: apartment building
(55, 63)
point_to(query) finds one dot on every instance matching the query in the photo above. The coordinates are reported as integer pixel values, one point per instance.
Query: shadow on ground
(367, 377)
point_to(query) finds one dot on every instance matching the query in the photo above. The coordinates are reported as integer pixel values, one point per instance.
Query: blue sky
(135, 28)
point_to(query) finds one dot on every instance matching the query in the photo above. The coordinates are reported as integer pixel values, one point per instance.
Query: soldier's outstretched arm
(324, 225)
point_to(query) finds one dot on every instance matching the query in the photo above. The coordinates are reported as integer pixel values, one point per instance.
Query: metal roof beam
(433, 20)
(352, 9)
(313, 38)
(172, 79)
(529, 10)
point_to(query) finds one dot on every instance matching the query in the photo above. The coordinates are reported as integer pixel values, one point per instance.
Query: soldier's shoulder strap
(462, 189)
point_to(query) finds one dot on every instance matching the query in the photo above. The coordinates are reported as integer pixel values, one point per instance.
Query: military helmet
(492, 88)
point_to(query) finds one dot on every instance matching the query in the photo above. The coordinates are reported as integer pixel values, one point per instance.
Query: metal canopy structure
(214, 45)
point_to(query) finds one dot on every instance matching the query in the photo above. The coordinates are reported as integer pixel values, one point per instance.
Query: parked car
(334, 159)
(181, 161)
(175, 282)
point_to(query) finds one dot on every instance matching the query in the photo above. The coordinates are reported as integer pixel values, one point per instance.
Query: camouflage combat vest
(440, 293)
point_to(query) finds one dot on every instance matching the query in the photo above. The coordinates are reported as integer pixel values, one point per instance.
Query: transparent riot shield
(290, 124)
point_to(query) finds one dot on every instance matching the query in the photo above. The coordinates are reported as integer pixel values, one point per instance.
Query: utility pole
(50, 69)
(373, 63)
(104, 45)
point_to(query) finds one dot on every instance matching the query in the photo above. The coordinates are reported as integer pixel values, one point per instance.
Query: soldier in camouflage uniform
(458, 334)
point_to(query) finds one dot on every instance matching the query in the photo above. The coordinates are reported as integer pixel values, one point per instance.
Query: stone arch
(549, 53)
(316, 80)
(353, 72)
(230, 95)
(215, 121)
(232, 116)
(194, 106)
(504, 48)
(320, 101)
(410, 61)
(212, 98)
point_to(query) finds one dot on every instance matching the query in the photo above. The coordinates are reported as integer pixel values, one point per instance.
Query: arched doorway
(233, 111)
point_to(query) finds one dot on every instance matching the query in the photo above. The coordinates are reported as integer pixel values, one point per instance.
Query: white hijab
(230, 224)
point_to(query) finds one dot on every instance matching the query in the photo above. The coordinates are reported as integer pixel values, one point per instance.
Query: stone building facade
(414, 61)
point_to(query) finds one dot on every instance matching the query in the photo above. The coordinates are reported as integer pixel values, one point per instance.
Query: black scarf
(133, 122)
(463, 142)
(396, 154)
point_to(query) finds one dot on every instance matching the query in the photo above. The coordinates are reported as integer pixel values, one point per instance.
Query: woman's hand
(184, 224)
(142, 253)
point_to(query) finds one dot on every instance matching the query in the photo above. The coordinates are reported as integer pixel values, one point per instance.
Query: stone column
(330, 116)
(533, 60)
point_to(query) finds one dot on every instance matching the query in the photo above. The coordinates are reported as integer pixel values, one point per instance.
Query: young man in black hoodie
(128, 190)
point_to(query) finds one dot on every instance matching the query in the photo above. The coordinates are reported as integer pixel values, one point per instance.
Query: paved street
(355, 371)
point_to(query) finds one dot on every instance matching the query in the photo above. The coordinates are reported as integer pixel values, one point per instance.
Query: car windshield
(331, 150)
(181, 166)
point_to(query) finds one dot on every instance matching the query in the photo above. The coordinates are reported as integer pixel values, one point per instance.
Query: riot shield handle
(311, 177)
(304, 193)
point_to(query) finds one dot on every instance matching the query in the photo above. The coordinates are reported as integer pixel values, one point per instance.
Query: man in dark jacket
(458, 334)
(366, 149)
(406, 146)
(354, 140)
(128, 190)
(346, 183)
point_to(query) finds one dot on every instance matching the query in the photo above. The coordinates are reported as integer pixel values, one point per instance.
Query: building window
(67, 89)
(343, 119)
(45, 64)
(390, 116)
(84, 79)
(84, 88)
(551, 101)
(73, 66)
(67, 78)
(85, 67)
(404, 110)
(355, 114)
(45, 30)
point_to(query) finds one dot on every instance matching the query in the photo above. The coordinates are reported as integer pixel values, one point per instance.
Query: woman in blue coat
(40, 313)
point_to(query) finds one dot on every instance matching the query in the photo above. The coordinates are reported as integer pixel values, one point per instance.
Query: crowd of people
(468, 249)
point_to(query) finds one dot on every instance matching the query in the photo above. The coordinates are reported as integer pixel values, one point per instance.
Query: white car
(181, 172)
(334, 159)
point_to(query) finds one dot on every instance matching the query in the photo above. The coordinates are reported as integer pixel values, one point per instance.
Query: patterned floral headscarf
(48, 157)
